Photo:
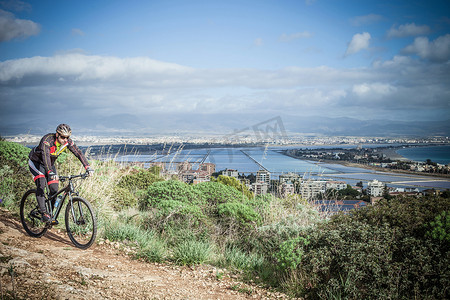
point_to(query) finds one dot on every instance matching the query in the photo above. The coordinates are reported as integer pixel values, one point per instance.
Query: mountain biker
(42, 163)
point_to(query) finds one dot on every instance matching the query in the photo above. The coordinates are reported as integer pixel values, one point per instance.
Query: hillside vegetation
(397, 249)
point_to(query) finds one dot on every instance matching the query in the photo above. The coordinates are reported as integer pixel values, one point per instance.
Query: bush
(192, 252)
(440, 227)
(215, 193)
(233, 182)
(139, 180)
(14, 153)
(377, 252)
(290, 254)
(236, 212)
(123, 198)
(241, 260)
(15, 178)
(174, 201)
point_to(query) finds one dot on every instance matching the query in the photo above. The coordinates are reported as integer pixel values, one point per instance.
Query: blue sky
(148, 64)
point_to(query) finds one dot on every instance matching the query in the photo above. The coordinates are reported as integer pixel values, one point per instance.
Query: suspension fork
(72, 209)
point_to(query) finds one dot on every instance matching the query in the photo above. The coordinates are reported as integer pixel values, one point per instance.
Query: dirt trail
(52, 268)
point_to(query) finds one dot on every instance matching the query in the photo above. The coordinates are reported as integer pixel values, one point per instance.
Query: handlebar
(70, 177)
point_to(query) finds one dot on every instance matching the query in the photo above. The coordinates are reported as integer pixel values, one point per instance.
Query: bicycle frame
(68, 190)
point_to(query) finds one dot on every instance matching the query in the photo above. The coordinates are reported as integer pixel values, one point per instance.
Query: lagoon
(250, 160)
(438, 154)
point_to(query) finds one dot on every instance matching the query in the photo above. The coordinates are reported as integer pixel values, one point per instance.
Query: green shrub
(15, 178)
(215, 193)
(241, 260)
(192, 252)
(139, 180)
(123, 198)
(174, 202)
(153, 250)
(290, 254)
(379, 252)
(440, 227)
(236, 212)
(171, 190)
(14, 153)
(233, 182)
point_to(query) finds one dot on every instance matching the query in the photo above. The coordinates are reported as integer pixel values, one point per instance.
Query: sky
(150, 67)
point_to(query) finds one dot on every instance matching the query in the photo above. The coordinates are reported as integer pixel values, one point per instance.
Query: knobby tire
(82, 229)
(29, 215)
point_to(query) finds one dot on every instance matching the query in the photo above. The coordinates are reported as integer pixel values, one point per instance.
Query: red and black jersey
(49, 149)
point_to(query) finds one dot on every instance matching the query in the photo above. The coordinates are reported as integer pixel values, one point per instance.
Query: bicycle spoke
(80, 223)
(29, 215)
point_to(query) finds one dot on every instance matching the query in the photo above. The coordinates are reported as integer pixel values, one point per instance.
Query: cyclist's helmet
(64, 130)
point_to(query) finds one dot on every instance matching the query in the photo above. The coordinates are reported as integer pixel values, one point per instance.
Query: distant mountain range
(131, 125)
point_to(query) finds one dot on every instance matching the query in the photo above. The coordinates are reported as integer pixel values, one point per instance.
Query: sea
(250, 160)
(438, 154)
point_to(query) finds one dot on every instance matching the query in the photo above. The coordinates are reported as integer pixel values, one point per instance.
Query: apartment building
(209, 168)
(336, 185)
(310, 189)
(263, 176)
(259, 188)
(375, 188)
(291, 177)
(230, 173)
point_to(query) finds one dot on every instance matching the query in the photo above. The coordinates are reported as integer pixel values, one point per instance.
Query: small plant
(241, 260)
(152, 250)
(192, 252)
(290, 254)
(219, 275)
(440, 227)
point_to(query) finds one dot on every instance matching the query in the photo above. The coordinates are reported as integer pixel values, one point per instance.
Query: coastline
(392, 154)
(384, 170)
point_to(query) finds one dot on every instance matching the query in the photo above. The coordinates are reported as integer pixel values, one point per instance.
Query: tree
(348, 192)
(233, 182)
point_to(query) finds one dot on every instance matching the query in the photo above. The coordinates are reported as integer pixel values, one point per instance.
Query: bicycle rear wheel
(81, 223)
(30, 216)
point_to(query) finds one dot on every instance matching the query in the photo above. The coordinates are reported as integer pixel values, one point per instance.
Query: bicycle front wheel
(30, 216)
(81, 223)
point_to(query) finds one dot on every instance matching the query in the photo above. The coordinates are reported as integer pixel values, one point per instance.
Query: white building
(230, 173)
(375, 188)
(292, 177)
(286, 188)
(263, 176)
(310, 189)
(259, 188)
(336, 185)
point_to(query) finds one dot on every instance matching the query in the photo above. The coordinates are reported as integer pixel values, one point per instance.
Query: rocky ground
(50, 267)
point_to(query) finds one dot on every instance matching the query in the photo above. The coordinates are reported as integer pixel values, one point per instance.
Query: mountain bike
(80, 221)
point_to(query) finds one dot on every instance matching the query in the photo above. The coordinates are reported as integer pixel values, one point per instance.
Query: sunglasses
(64, 137)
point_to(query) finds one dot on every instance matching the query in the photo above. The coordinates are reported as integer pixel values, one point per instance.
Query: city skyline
(114, 67)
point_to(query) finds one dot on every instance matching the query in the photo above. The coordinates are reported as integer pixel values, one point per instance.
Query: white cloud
(373, 90)
(105, 86)
(359, 42)
(290, 37)
(84, 67)
(12, 28)
(77, 31)
(258, 42)
(410, 29)
(365, 20)
(436, 51)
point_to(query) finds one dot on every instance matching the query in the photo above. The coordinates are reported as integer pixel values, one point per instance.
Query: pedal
(54, 222)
